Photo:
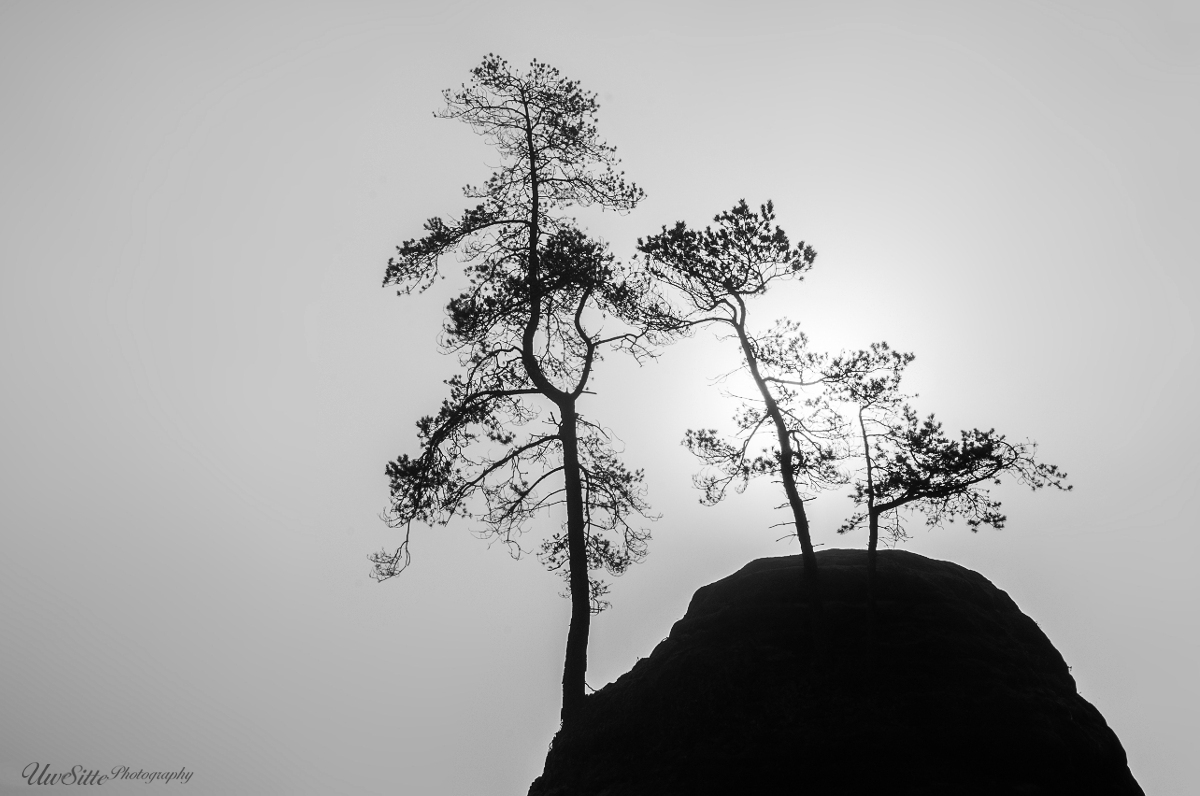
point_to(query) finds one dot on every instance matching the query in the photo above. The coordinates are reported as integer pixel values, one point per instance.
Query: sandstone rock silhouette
(951, 689)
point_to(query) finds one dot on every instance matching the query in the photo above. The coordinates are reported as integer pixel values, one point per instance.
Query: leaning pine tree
(510, 440)
(714, 273)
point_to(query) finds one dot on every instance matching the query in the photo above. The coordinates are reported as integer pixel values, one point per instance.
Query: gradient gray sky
(204, 379)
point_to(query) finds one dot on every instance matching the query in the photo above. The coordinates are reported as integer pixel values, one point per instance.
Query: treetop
(719, 266)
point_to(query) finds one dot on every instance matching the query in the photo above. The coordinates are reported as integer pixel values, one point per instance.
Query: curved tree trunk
(575, 666)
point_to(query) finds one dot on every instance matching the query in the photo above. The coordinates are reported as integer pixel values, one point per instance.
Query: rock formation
(948, 689)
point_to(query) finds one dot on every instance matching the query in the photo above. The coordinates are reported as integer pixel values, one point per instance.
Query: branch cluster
(543, 302)
(828, 420)
(714, 270)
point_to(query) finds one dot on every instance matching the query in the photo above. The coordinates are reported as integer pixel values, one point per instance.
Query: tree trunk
(575, 668)
(788, 475)
(799, 515)
(872, 556)
(873, 662)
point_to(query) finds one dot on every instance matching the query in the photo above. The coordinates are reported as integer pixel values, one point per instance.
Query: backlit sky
(204, 379)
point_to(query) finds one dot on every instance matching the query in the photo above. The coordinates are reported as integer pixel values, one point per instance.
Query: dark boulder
(950, 689)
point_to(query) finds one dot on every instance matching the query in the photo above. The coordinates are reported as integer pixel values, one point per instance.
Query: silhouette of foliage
(812, 424)
(714, 272)
(909, 463)
(543, 303)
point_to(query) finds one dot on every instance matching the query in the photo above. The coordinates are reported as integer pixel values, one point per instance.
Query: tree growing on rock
(781, 432)
(542, 303)
(910, 464)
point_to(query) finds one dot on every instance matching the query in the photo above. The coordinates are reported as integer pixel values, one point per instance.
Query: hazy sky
(204, 379)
